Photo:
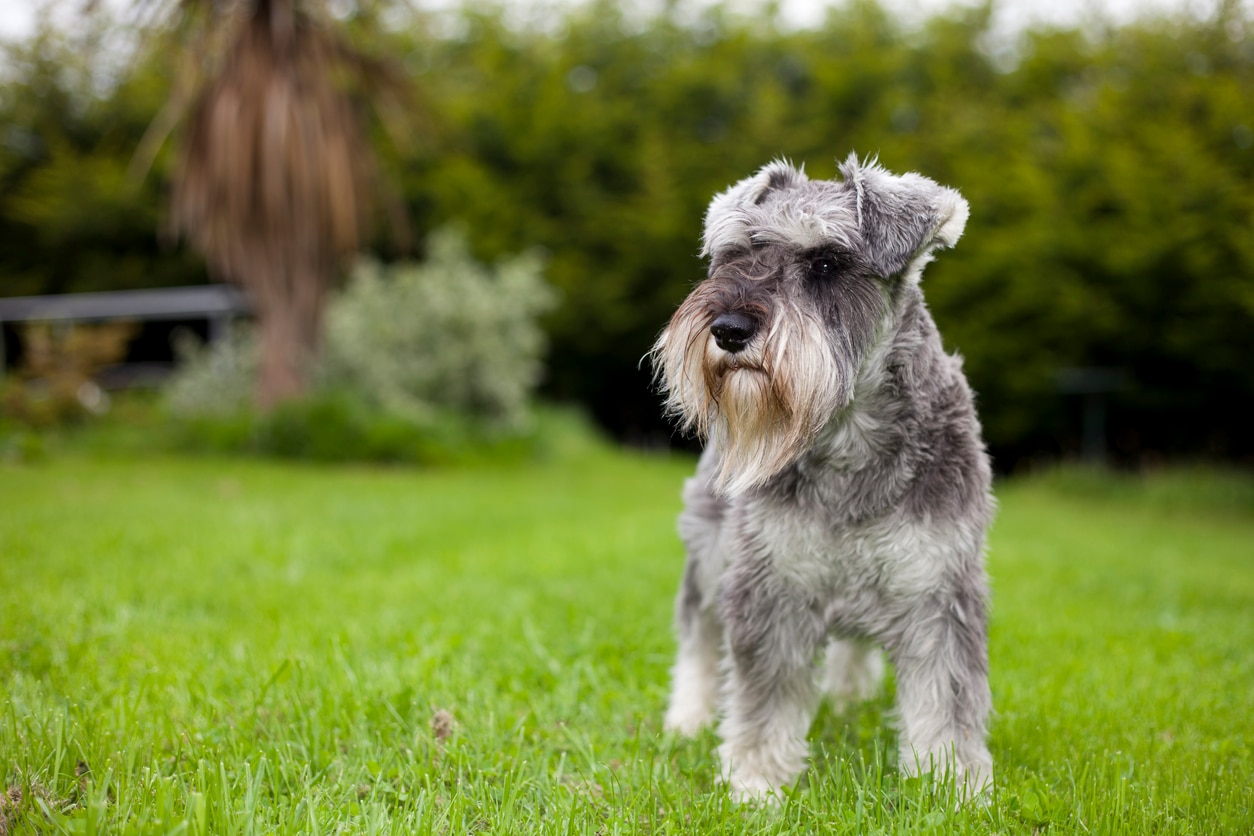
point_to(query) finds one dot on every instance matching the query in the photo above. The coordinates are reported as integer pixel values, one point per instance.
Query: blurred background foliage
(418, 362)
(1110, 170)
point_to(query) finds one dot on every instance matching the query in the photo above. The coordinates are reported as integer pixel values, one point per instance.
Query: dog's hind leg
(852, 672)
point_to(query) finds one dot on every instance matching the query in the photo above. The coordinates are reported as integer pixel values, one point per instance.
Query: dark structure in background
(1094, 387)
(209, 309)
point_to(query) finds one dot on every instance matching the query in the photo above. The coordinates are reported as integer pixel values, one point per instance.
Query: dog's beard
(759, 408)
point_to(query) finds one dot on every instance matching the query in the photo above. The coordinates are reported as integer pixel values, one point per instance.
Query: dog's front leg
(695, 676)
(941, 663)
(773, 634)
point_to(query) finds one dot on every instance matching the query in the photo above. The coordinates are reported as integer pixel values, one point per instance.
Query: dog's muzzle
(732, 331)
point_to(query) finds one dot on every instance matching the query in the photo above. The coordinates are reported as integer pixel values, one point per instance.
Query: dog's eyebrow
(834, 251)
(733, 252)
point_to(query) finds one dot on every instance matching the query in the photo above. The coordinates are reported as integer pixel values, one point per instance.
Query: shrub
(54, 384)
(336, 426)
(446, 335)
(214, 380)
(421, 362)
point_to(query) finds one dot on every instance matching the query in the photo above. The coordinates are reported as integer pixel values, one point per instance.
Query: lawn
(226, 645)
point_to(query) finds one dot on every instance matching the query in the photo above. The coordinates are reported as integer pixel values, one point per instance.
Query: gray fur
(843, 496)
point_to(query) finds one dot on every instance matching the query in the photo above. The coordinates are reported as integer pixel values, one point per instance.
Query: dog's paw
(758, 776)
(969, 780)
(977, 783)
(692, 702)
(686, 719)
(754, 790)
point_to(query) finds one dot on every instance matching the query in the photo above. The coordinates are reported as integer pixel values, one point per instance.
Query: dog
(841, 503)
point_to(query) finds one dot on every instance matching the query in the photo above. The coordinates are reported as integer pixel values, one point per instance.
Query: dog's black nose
(732, 331)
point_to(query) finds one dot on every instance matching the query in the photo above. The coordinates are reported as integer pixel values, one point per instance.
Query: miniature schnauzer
(843, 495)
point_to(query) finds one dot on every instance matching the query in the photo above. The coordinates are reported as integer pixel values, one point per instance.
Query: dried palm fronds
(275, 177)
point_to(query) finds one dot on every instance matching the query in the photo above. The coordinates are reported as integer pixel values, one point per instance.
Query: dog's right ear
(902, 219)
(726, 221)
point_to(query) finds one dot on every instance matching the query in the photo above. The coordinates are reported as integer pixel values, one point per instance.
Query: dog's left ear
(902, 219)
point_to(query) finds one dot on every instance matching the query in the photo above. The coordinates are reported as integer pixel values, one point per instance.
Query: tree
(275, 174)
(68, 127)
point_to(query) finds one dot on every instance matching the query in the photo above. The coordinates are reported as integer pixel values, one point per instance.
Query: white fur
(852, 672)
(892, 555)
(694, 692)
(955, 210)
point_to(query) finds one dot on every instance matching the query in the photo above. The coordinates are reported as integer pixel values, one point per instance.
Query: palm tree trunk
(289, 329)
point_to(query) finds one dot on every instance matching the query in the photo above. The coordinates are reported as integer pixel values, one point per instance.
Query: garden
(393, 550)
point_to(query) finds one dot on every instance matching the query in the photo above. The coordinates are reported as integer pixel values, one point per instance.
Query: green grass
(220, 645)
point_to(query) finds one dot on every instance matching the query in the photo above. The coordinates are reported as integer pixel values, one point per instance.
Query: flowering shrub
(214, 379)
(445, 335)
(419, 361)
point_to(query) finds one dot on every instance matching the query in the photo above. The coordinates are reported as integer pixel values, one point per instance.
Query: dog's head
(802, 282)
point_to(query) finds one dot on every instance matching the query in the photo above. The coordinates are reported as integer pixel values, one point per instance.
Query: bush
(214, 380)
(421, 363)
(337, 427)
(54, 384)
(446, 335)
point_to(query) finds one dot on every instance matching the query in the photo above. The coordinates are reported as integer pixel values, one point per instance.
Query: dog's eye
(823, 268)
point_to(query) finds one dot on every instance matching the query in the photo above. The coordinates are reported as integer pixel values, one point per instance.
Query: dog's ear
(902, 219)
(726, 223)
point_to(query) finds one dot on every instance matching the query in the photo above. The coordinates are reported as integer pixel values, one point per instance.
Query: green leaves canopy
(1110, 174)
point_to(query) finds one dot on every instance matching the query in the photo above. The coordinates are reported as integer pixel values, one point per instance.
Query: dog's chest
(889, 556)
